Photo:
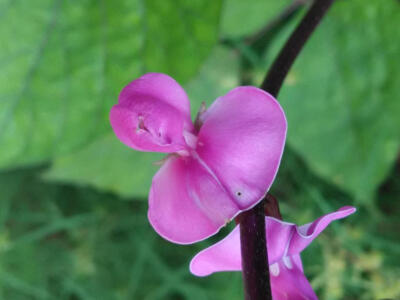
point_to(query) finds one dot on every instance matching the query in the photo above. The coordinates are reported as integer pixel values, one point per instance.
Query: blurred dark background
(73, 199)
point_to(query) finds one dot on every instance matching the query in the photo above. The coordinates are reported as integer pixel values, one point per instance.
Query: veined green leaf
(63, 64)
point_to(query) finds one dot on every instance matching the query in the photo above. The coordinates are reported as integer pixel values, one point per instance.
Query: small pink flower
(285, 242)
(221, 166)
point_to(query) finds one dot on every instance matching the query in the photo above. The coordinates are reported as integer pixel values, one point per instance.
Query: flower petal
(305, 234)
(284, 239)
(222, 256)
(186, 203)
(241, 139)
(289, 282)
(226, 254)
(151, 114)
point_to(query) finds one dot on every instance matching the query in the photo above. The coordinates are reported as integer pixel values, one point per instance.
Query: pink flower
(221, 166)
(285, 242)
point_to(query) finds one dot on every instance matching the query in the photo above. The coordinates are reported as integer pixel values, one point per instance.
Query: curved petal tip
(151, 114)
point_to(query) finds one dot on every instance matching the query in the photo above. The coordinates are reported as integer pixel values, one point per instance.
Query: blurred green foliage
(347, 126)
(63, 66)
(73, 198)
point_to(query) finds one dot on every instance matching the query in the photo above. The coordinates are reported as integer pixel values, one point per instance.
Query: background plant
(70, 228)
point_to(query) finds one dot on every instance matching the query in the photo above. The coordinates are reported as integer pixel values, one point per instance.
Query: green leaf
(109, 165)
(63, 64)
(217, 76)
(341, 96)
(66, 242)
(242, 18)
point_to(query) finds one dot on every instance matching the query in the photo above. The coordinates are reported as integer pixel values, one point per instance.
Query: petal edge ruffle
(284, 239)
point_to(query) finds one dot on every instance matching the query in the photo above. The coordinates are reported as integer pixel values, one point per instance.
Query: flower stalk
(252, 222)
(285, 59)
(254, 254)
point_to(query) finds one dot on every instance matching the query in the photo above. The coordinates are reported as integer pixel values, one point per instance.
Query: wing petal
(222, 256)
(284, 240)
(305, 234)
(152, 113)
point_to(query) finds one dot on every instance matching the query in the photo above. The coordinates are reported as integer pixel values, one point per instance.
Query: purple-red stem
(279, 69)
(254, 254)
(252, 222)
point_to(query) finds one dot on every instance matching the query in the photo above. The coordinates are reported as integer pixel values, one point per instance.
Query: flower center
(140, 125)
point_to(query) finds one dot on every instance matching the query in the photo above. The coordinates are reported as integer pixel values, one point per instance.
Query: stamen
(140, 125)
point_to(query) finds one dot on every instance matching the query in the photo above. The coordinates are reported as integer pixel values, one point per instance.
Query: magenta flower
(285, 242)
(215, 169)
